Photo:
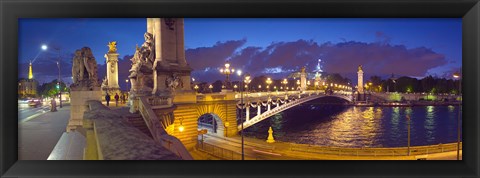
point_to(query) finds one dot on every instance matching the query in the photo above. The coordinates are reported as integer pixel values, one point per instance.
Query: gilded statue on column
(112, 47)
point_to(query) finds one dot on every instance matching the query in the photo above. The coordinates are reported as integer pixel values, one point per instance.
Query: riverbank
(407, 104)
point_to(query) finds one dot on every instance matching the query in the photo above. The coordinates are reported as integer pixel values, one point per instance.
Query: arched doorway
(212, 123)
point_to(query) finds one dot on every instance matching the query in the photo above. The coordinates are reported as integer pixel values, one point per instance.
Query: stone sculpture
(84, 69)
(142, 64)
(78, 67)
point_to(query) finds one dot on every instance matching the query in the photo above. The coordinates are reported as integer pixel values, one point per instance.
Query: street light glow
(44, 47)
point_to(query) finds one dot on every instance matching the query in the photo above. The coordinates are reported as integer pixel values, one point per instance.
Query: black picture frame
(10, 11)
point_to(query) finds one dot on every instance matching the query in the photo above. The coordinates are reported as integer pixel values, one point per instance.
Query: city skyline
(260, 46)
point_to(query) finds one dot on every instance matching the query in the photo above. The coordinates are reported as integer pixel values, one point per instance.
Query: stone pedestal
(79, 105)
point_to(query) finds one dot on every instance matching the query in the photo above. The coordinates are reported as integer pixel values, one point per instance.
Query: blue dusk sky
(276, 47)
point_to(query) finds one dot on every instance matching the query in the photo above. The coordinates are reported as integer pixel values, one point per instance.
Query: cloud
(281, 58)
(344, 58)
(201, 58)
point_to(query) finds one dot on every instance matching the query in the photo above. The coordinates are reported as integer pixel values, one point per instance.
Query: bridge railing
(223, 153)
(397, 151)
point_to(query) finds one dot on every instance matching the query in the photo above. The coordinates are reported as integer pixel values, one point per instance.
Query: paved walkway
(38, 136)
(263, 150)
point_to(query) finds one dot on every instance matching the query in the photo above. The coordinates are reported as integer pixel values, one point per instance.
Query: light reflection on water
(349, 126)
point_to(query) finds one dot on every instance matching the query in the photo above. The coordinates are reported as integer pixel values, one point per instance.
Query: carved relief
(170, 22)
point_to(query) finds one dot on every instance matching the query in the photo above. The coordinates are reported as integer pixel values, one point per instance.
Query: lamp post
(210, 87)
(285, 82)
(457, 76)
(247, 80)
(126, 81)
(196, 88)
(268, 81)
(227, 71)
(44, 48)
(298, 83)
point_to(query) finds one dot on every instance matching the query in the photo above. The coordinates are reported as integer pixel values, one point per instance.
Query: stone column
(157, 35)
(150, 25)
(268, 106)
(303, 81)
(180, 42)
(112, 69)
(360, 81)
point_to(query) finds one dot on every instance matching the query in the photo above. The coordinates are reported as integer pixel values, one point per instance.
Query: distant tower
(318, 73)
(360, 79)
(30, 73)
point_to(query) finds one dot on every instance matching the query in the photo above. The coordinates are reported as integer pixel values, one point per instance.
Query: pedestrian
(54, 105)
(107, 98)
(124, 98)
(116, 99)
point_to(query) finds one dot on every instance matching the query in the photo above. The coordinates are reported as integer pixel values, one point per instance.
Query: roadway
(39, 130)
(26, 113)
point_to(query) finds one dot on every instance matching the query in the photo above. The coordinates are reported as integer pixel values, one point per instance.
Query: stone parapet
(79, 105)
(110, 136)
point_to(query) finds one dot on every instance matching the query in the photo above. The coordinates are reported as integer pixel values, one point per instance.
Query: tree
(52, 88)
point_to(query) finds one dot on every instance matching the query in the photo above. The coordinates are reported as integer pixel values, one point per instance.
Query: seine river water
(350, 126)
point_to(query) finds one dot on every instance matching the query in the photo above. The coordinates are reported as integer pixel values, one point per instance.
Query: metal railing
(397, 151)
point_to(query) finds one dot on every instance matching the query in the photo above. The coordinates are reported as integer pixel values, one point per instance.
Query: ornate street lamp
(246, 81)
(285, 82)
(269, 81)
(44, 48)
(210, 87)
(227, 71)
(126, 81)
(196, 88)
(456, 75)
(298, 83)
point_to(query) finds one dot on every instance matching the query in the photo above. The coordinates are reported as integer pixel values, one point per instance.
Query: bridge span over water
(279, 104)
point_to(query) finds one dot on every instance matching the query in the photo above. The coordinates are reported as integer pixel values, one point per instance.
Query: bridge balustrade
(396, 151)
